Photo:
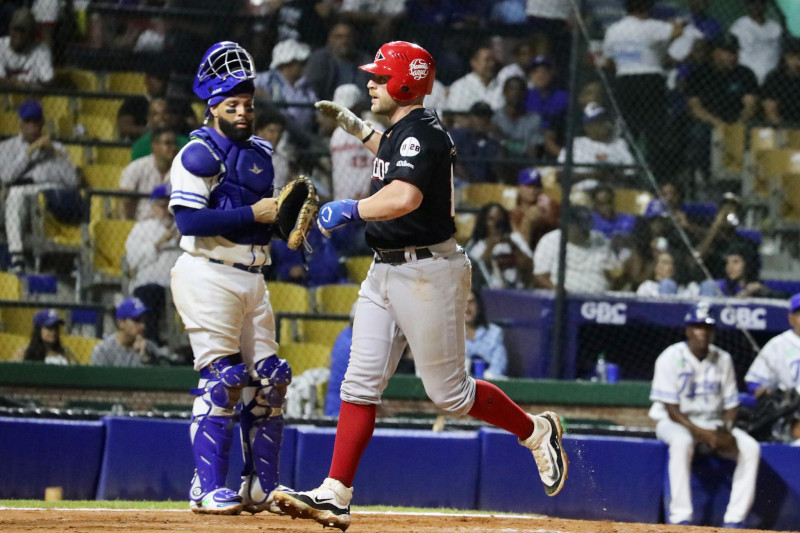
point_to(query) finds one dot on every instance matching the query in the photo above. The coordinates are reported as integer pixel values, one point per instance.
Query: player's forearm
(677, 416)
(393, 201)
(211, 222)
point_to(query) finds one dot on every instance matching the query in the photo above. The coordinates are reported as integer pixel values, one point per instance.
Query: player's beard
(235, 133)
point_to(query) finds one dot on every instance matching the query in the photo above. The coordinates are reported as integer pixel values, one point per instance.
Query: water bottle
(478, 367)
(601, 369)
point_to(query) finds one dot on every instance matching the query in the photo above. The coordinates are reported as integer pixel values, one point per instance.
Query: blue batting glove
(336, 214)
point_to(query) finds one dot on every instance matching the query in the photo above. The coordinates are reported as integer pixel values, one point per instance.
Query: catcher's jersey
(194, 191)
(416, 149)
(701, 389)
(777, 365)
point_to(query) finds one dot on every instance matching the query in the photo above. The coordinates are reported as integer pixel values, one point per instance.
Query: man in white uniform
(777, 366)
(222, 185)
(759, 39)
(694, 402)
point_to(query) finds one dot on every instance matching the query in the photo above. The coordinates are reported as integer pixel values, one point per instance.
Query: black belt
(240, 266)
(398, 257)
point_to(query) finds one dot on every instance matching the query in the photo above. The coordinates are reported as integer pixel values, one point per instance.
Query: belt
(240, 266)
(398, 257)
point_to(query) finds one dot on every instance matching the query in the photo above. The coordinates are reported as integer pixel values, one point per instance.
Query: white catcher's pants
(225, 311)
(681, 449)
(423, 304)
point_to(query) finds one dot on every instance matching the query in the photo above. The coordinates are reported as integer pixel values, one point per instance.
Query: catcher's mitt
(297, 208)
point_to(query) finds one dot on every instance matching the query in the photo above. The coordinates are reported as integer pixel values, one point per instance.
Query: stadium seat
(789, 198)
(465, 224)
(81, 346)
(764, 139)
(10, 343)
(303, 356)
(50, 235)
(632, 201)
(199, 109)
(102, 176)
(56, 106)
(125, 82)
(791, 138)
(727, 151)
(82, 80)
(771, 165)
(101, 207)
(336, 299)
(78, 154)
(107, 245)
(19, 320)
(358, 267)
(9, 122)
(107, 107)
(320, 331)
(10, 287)
(288, 298)
(101, 127)
(480, 194)
(111, 155)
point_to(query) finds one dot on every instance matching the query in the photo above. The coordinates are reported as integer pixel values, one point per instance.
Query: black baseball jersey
(416, 149)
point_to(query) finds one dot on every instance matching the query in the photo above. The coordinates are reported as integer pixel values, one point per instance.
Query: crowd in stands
(505, 99)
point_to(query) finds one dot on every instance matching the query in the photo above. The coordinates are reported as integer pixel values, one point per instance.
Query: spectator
(694, 402)
(671, 195)
(535, 213)
(592, 91)
(143, 174)
(742, 274)
(31, 162)
(437, 100)
(634, 47)
(599, 146)
(501, 255)
(484, 340)
(759, 38)
(127, 346)
(606, 219)
(665, 280)
(340, 356)
(591, 265)
(285, 85)
(543, 97)
(652, 234)
(45, 344)
(774, 370)
(306, 21)
(474, 137)
(479, 85)
(375, 21)
(522, 130)
(151, 251)
(336, 63)
(351, 161)
(722, 233)
(132, 114)
(702, 26)
(782, 86)
(318, 268)
(270, 125)
(24, 62)
(523, 53)
(718, 93)
(159, 116)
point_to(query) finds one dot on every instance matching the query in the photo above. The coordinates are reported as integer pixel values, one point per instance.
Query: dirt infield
(18, 520)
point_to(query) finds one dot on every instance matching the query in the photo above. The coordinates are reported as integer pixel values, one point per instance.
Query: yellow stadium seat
(78, 154)
(100, 127)
(358, 267)
(199, 109)
(465, 224)
(108, 245)
(727, 150)
(125, 82)
(48, 228)
(764, 139)
(288, 297)
(10, 343)
(792, 138)
(111, 155)
(303, 356)
(319, 331)
(99, 106)
(480, 194)
(9, 122)
(102, 176)
(56, 106)
(80, 346)
(19, 320)
(10, 287)
(101, 207)
(632, 201)
(771, 165)
(336, 299)
(82, 80)
(62, 127)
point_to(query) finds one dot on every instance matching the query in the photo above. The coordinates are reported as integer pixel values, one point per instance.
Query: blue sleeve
(211, 222)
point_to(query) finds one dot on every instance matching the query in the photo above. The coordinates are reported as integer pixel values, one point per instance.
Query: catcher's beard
(232, 132)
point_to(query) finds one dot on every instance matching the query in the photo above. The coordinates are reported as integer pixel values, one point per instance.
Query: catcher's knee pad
(221, 383)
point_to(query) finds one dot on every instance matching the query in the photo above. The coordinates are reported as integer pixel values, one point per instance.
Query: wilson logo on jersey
(419, 69)
(379, 168)
(404, 163)
(410, 147)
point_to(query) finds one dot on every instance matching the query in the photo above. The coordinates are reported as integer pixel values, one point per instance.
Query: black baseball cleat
(328, 504)
(548, 452)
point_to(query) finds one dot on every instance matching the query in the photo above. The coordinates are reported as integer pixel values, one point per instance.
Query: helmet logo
(379, 56)
(418, 69)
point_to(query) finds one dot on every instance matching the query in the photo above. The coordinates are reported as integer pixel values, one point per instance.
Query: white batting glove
(346, 119)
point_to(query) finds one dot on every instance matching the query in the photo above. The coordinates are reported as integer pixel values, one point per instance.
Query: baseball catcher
(297, 209)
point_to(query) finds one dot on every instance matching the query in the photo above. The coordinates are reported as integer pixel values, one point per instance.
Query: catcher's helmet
(410, 67)
(224, 66)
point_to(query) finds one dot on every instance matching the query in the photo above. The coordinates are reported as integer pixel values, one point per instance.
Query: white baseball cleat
(255, 506)
(548, 452)
(328, 504)
(218, 501)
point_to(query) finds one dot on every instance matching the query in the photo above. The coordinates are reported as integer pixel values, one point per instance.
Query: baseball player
(222, 200)
(777, 366)
(694, 401)
(417, 288)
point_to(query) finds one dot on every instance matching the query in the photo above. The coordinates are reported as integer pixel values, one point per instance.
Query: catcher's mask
(410, 67)
(226, 69)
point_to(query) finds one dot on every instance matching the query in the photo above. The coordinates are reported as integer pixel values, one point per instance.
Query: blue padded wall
(152, 460)
(399, 467)
(609, 478)
(35, 454)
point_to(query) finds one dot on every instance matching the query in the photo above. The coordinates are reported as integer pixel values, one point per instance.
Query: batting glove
(348, 120)
(336, 214)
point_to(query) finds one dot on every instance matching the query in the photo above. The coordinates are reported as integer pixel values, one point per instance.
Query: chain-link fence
(638, 155)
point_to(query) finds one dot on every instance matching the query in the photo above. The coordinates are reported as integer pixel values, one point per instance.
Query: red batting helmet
(410, 68)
